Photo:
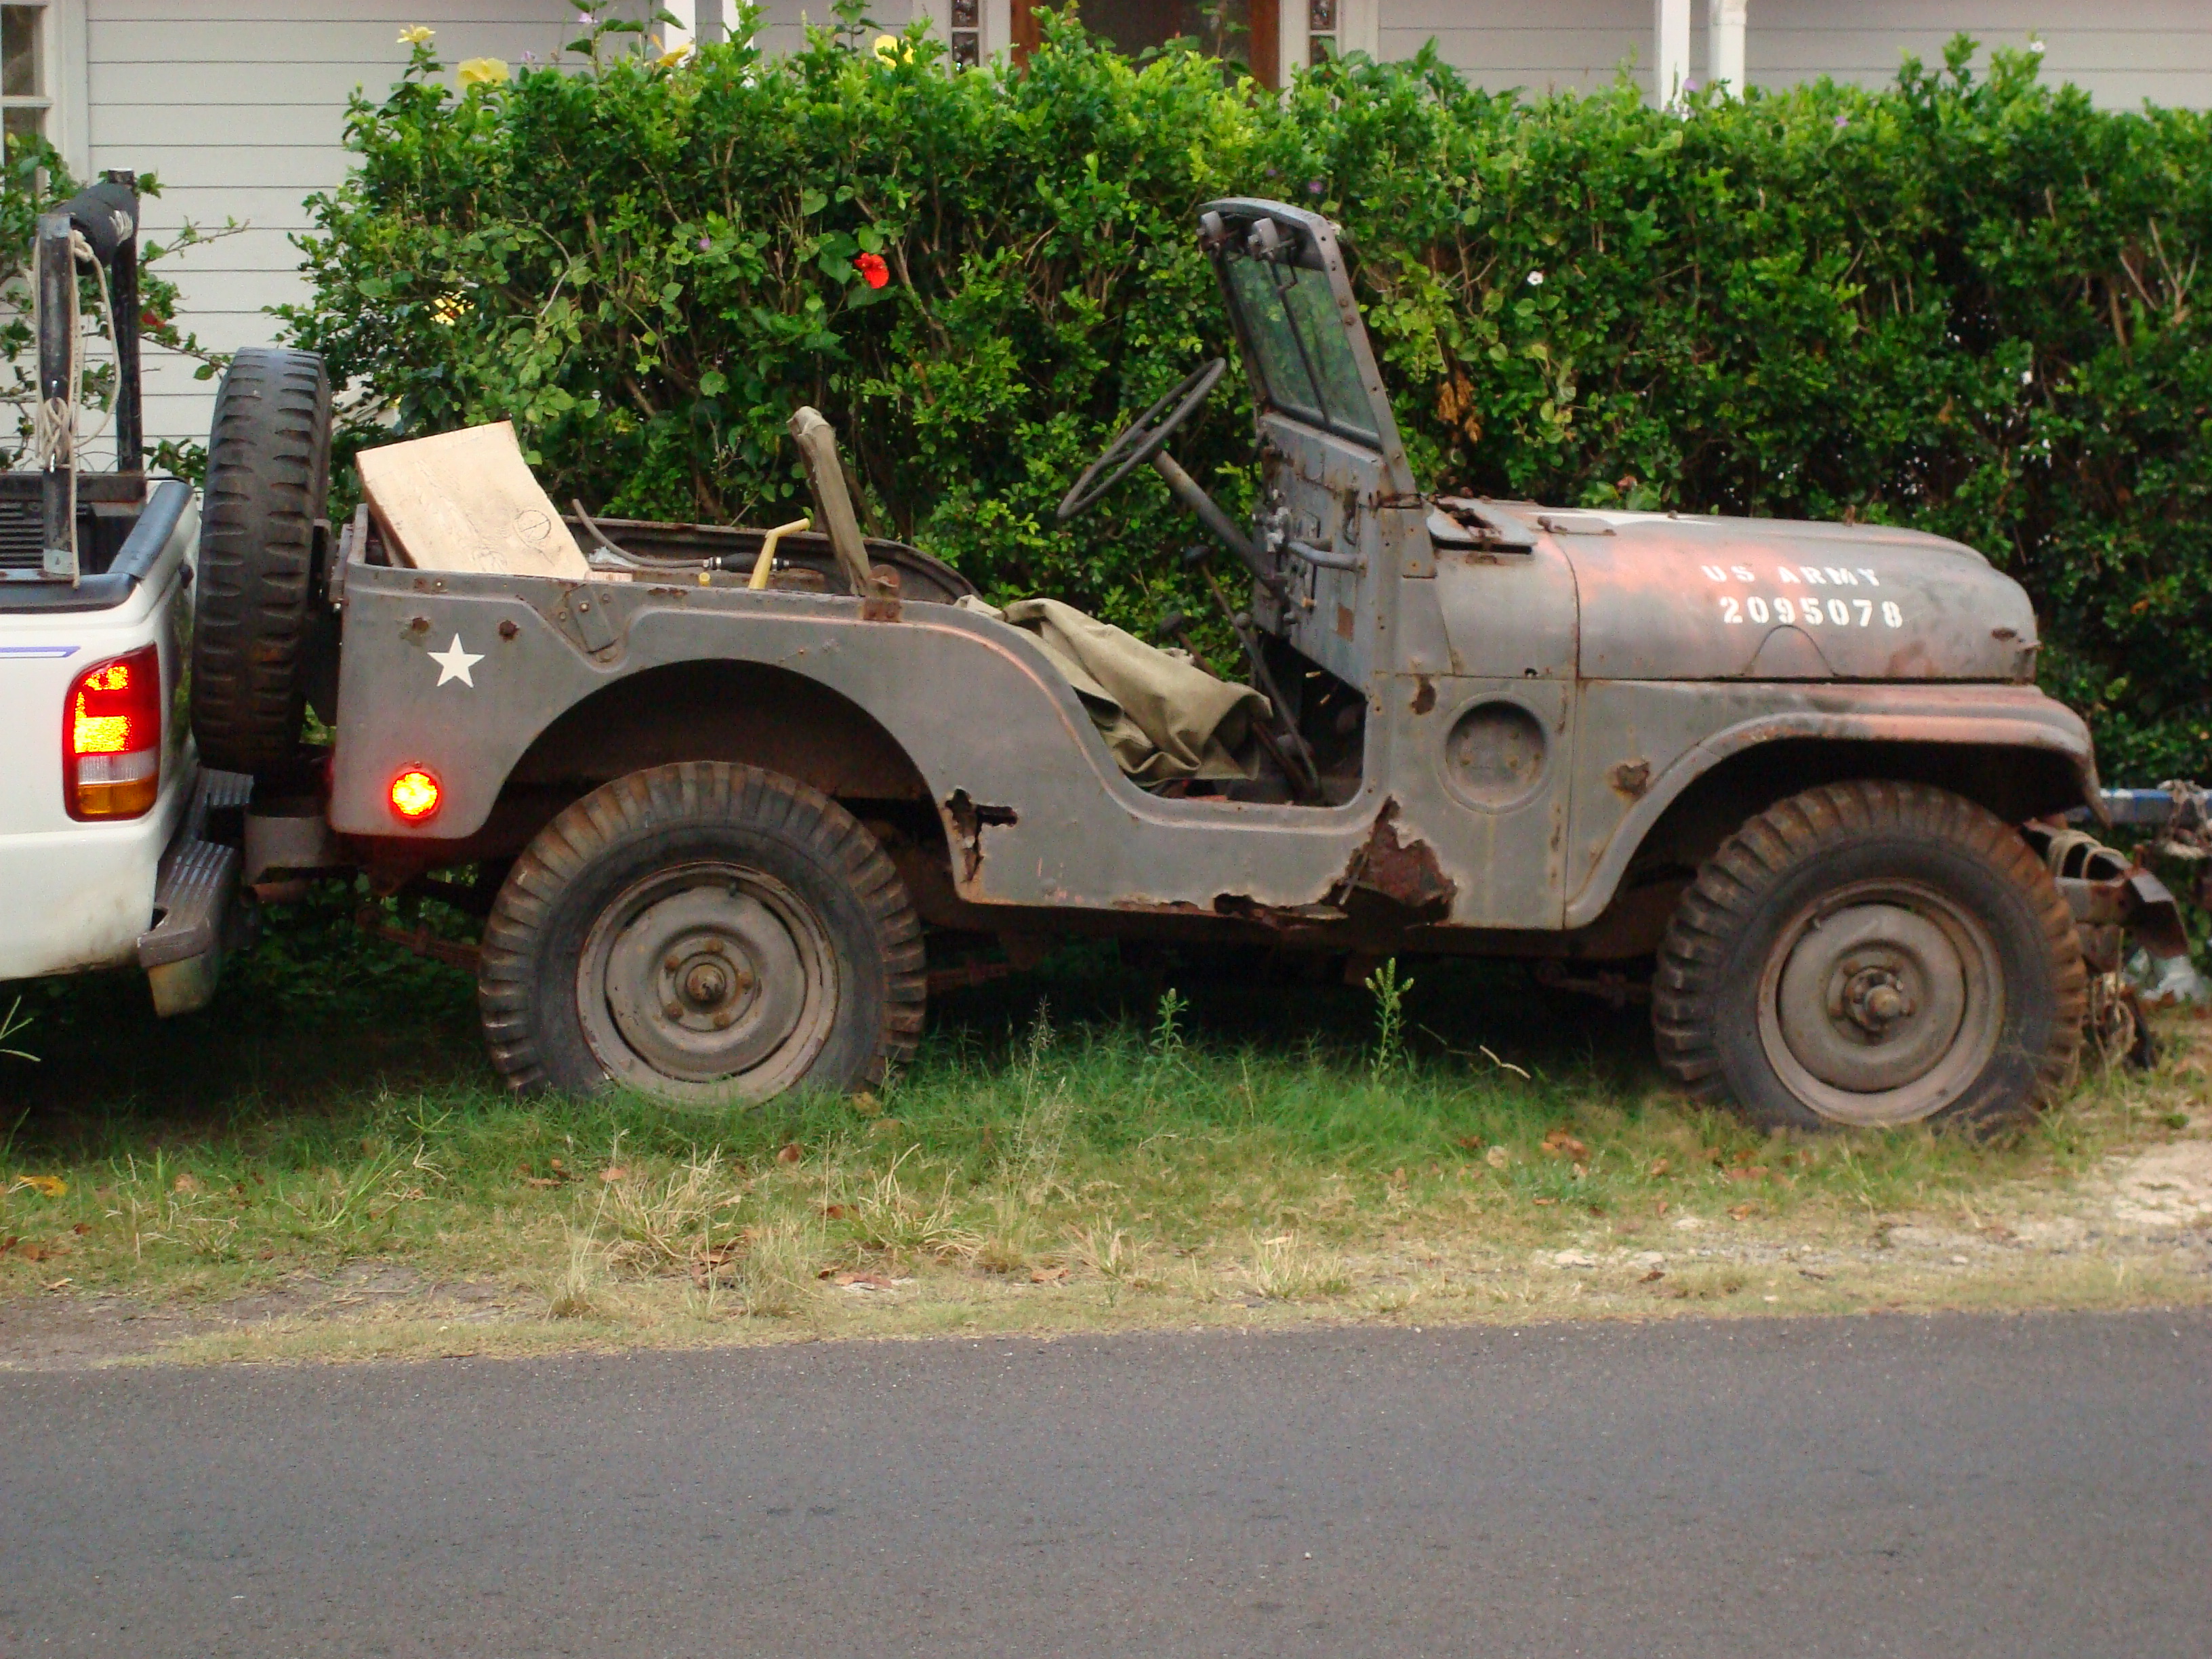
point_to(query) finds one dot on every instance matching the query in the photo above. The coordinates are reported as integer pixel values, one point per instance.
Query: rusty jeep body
(1783, 761)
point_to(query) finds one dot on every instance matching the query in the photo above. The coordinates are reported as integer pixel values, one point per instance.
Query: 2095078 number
(1811, 612)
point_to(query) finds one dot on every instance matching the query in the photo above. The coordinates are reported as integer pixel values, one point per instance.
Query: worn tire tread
(1735, 880)
(268, 472)
(692, 792)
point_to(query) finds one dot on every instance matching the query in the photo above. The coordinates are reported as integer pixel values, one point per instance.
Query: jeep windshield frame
(1289, 299)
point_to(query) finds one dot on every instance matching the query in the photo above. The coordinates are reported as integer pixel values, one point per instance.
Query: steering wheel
(1141, 440)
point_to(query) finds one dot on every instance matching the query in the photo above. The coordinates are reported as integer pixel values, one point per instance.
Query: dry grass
(1072, 1173)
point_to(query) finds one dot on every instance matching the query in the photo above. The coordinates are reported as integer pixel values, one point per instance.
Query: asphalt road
(1955, 1486)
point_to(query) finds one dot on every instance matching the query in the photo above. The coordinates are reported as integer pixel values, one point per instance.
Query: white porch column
(1724, 26)
(1670, 66)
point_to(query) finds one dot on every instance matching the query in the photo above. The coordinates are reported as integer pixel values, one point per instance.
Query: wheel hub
(1882, 1003)
(1875, 999)
(706, 981)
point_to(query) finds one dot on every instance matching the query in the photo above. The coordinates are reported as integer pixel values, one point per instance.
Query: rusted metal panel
(1510, 615)
(1701, 599)
(1678, 733)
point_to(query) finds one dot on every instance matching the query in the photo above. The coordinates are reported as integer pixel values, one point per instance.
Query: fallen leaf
(51, 1186)
(1653, 1277)
(1469, 1143)
(836, 1212)
(183, 1183)
(32, 1252)
(1742, 1211)
(790, 1154)
(1560, 1144)
(8, 1244)
(1662, 1207)
(557, 1163)
(539, 1181)
(82, 1228)
(859, 1281)
(1658, 1167)
(1580, 1171)
(1755, 1172)
(1498, 1158)
(1047, 1275)
(867, 1104)
(1547, 1200)
(617, 1173)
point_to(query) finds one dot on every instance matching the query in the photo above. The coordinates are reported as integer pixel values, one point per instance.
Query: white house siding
(1539, 46)
(2122, 53)
(239, 106)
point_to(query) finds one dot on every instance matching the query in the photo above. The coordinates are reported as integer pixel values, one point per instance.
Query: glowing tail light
(415, 794)
(111, 737)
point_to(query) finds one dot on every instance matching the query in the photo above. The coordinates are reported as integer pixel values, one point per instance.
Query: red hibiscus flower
(873, 271)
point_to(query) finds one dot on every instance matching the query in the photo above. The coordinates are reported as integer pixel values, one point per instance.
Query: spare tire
(256, 603)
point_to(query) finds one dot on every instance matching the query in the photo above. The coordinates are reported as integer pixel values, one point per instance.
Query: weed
(1167, 1026)
(11, 1022)
(1390, 994)
(1285, 1269)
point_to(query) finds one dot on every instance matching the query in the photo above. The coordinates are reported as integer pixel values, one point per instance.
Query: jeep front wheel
(1872, 954)
(706, 934)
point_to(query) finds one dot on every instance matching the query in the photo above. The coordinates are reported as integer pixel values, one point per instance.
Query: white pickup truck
(105, 854)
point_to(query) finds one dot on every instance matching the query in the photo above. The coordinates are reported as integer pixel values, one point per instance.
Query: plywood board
(467, 501)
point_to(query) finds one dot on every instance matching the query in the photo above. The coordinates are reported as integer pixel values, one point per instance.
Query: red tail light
(111, 737)
(415, 794)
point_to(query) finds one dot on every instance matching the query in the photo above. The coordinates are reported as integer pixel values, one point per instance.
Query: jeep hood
(1670, 597)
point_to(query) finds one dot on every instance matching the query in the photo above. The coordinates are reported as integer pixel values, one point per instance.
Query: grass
(1108, 1140)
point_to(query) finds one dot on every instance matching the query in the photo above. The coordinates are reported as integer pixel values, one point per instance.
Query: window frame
(42, 100)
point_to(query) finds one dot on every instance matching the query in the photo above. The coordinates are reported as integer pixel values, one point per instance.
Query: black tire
(705, 933)
(254, 609)
(1871, 953)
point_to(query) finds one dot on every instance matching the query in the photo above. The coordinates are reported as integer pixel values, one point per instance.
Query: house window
(1321, 30)
(1242, 32)
(24, 99)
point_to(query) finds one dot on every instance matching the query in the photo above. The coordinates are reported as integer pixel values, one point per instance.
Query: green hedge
(1963, 303)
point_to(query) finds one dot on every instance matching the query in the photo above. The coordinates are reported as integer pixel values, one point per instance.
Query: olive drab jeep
(724, 792)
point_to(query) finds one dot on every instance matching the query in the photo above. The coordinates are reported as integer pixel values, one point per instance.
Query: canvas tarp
(1162, 715)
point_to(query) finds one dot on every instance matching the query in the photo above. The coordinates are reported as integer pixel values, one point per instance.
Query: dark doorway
(1242, 31)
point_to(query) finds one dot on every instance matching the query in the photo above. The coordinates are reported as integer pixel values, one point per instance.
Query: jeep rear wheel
(1872, 954)
(706, 934)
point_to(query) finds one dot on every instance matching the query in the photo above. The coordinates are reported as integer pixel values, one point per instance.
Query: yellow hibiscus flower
(481, 71)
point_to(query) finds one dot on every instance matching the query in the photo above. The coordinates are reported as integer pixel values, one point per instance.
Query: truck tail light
(415, 794)
(111, 737)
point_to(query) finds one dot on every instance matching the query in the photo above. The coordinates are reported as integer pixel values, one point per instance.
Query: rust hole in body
(1630, 778)
(1404, 874)
(969, 820)
(1425, 698)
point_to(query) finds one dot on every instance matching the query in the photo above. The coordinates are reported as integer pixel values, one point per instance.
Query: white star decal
(454, 663)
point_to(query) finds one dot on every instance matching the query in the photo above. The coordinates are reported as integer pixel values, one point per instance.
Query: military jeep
(714, 820)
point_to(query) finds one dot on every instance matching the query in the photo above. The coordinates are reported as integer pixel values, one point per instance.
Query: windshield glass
(1304, 353)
